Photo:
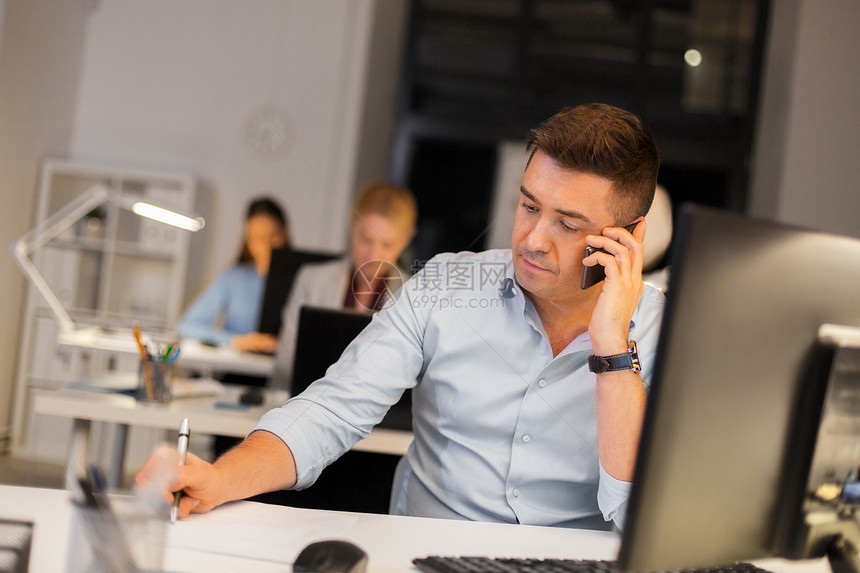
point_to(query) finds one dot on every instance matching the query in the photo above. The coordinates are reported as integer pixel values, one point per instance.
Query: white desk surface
(203, 413)
(193, 355)
(246, 536)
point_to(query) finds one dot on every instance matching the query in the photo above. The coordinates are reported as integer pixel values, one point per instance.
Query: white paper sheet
(253, 530)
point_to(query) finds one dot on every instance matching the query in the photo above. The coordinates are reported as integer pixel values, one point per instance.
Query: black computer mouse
(331, 555)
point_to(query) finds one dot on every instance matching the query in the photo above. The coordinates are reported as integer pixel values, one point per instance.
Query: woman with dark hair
(228, 312)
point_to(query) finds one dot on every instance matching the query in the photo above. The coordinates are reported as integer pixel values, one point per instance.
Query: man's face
(558, 208)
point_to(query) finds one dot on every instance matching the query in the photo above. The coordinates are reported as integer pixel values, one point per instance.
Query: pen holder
(154, 381)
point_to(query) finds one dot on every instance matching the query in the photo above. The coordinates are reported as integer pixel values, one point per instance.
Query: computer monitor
(283, 269)
(740, 374)
(322, 337)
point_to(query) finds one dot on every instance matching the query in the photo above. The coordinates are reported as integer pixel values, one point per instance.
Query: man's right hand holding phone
(617, 254)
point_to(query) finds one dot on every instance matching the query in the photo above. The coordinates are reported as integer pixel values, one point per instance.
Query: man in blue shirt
(528, 390)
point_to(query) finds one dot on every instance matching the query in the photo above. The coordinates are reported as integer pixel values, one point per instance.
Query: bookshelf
(109, 269)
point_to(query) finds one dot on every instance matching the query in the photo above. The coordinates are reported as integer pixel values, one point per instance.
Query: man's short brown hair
(609, 142)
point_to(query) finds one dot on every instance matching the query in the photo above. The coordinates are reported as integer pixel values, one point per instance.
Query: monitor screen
(283, 269)
(323, 335)
(746, 300)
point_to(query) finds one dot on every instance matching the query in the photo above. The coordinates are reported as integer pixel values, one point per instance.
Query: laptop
(322, 337)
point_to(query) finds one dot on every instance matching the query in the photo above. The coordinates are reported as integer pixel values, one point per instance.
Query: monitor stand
(843, 556)
(823, 461)
(832, 530)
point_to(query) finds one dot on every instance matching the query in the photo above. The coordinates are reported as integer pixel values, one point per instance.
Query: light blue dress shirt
(503, 430)
(233, 300)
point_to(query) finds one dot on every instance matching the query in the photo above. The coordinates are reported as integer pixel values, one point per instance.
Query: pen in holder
(154, 380)
(156, 370)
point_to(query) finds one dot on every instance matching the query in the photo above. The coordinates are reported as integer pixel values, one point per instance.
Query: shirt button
(527, 438)
(516, 492)
(541, 382)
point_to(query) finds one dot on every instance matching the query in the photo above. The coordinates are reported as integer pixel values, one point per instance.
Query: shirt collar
(530, 315)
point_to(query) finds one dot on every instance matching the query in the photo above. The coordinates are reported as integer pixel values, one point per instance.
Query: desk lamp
(74, 211)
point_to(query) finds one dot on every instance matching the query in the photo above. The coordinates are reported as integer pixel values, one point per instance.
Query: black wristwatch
(625, 361)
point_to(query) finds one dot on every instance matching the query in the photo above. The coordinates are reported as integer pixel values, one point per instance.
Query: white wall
(176, 86)
(510, 165)
(806, 170)
(38, 85)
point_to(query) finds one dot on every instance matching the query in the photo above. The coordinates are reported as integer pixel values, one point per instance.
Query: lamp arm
(21, 256)
(64, 218)
(42, 234)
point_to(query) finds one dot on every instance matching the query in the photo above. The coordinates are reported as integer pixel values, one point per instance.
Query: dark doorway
(490, 71)
(453, 183)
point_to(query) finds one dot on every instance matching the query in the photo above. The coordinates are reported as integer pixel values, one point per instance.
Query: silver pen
(182, 450)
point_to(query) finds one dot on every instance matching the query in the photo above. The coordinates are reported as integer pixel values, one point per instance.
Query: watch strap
(625, 361)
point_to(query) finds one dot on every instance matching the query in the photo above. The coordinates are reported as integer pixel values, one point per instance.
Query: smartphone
(593, 275)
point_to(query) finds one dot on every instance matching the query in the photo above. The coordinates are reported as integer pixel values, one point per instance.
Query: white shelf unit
(110, 269)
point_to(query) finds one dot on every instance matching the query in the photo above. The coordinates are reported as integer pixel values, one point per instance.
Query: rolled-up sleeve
(341, 408)
(315, 436)
(612, 497)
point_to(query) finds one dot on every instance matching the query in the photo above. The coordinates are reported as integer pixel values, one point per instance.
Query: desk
(85, 407)
(391, 542)
(194, 355)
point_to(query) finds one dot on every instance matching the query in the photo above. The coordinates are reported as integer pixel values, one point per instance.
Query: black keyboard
(436, 564)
